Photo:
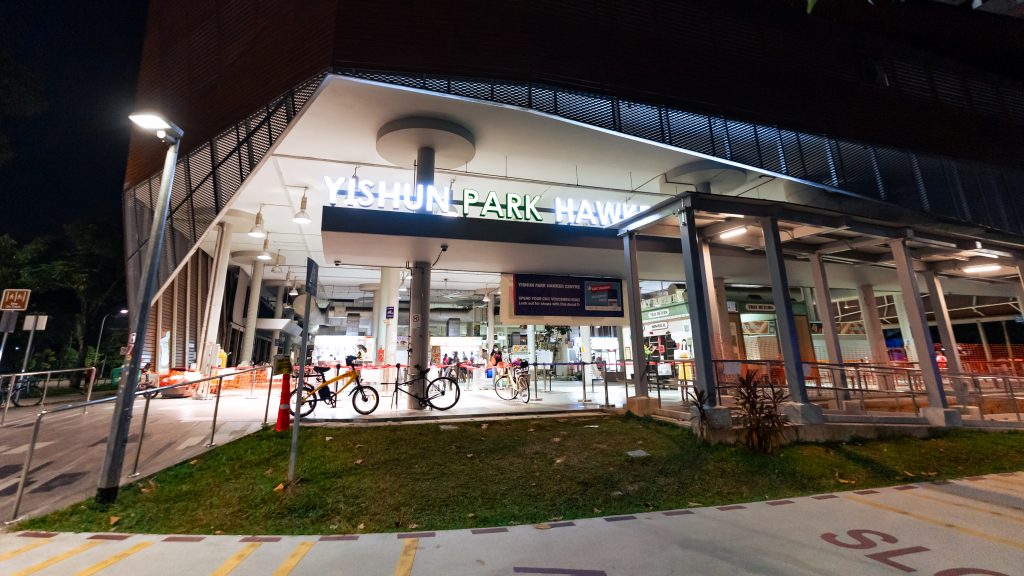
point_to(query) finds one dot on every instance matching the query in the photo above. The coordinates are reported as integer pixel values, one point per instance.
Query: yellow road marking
(937, 522)
(404, 567)
(51, 561)
(293, 559)
(114, 559)
(1006, 515)
(22, 550)
(236, 559)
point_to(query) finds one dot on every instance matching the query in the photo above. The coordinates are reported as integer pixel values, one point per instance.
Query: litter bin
(115, 375)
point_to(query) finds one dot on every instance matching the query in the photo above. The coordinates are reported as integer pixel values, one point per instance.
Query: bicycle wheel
(504, 387)
(28, 395)
(365, 399)
(524, 388)
(309, 402)
(442, 393)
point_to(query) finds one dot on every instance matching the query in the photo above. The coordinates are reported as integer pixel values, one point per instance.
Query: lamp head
(154, 122)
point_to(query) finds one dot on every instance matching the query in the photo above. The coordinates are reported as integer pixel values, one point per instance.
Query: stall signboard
(536, 295)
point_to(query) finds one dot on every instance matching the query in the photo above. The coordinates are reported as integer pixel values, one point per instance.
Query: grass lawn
(419, 477)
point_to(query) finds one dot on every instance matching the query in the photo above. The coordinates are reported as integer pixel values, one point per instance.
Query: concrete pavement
(970, 526)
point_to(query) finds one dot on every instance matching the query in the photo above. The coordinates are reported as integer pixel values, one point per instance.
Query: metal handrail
(46, 385)
(22, 482)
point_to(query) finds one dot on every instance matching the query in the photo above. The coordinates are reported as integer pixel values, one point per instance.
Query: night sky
(69, 160)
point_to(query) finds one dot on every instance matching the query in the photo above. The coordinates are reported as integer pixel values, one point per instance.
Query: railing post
(28, 462)
(46, 386)
(216, 407)
(142, 436)
(1013, 398)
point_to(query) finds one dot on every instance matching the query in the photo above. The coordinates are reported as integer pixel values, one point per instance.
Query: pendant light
(265, 255)
(257, 231)
(302, 217)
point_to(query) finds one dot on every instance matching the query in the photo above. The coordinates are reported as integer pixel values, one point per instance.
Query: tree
(83, 271)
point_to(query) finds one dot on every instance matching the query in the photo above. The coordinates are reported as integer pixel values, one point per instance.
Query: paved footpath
(970, 526)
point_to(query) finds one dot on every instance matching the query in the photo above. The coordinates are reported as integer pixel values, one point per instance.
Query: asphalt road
(971, 526)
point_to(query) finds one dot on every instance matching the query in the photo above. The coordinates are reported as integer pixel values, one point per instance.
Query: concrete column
(390, 284)
(419, 328)
(278, 313)
(800, 411)
(489, 341)
(941, 311)
(823, 305)
(872, 325)
(531, 344)
(215, 298)
(697, 304)
(585, 351)
(636, 325)
(905, 332)
(984, 341)
(719, 342)
(621, 357)
(375, 325)
(937, 411)
(251, 312)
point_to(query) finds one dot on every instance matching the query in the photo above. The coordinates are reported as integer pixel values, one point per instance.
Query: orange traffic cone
(284, 420)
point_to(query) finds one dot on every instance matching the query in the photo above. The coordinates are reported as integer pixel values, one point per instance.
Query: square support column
(636, 325)
(801, 410)
(823, 303)
(721, 345)
(419, 330)
(945, 325)
(905, 332)
(697, 304)
(215, 298)
(872, 325)
(938, 411)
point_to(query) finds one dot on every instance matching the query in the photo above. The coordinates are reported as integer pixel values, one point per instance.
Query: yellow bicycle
(364, 398)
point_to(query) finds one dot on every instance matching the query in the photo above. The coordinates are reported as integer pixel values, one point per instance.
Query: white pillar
(490, 324)
(585, 351)
(636, 326)
(905, 332)
(941, 311)
(375, 325)
(937, 411)
(390, 283)
(252, 312)
(278, 313)
(419, 329)
(531, 344)
(215, 298)
(719, 342)
(872, 325)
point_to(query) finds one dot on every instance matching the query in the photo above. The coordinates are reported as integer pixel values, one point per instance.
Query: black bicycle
(441, 393)
(27, 392)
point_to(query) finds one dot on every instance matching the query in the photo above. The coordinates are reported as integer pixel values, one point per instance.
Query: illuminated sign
(383, 195)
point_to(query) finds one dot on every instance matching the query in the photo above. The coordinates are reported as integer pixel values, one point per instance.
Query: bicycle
(514, 382)
(364, 398)
(441, 393)
(26, 392)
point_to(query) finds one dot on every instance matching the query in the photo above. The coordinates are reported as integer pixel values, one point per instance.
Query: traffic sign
(414, 320)
(15, 299)
(9, 323)
(389, 312)
(34, 322)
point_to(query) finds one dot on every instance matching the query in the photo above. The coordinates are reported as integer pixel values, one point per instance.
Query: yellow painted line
(236, 559)
(114, 559)
(404, 567)
(293, 559)
(59, 557)
(937, 522)
(22, 550)
(1008, 516)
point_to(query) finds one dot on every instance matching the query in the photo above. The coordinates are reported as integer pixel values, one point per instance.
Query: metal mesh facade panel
(960, 190)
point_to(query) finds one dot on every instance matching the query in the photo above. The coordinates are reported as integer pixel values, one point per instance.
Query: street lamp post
(120, 422)
(99, 338)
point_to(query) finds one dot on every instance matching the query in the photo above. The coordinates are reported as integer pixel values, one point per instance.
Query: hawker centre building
(680, 192)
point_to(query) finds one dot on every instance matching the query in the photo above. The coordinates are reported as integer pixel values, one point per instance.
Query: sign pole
(28, 348)
(311, 283)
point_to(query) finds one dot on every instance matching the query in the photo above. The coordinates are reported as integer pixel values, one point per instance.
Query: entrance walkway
(970, 526)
